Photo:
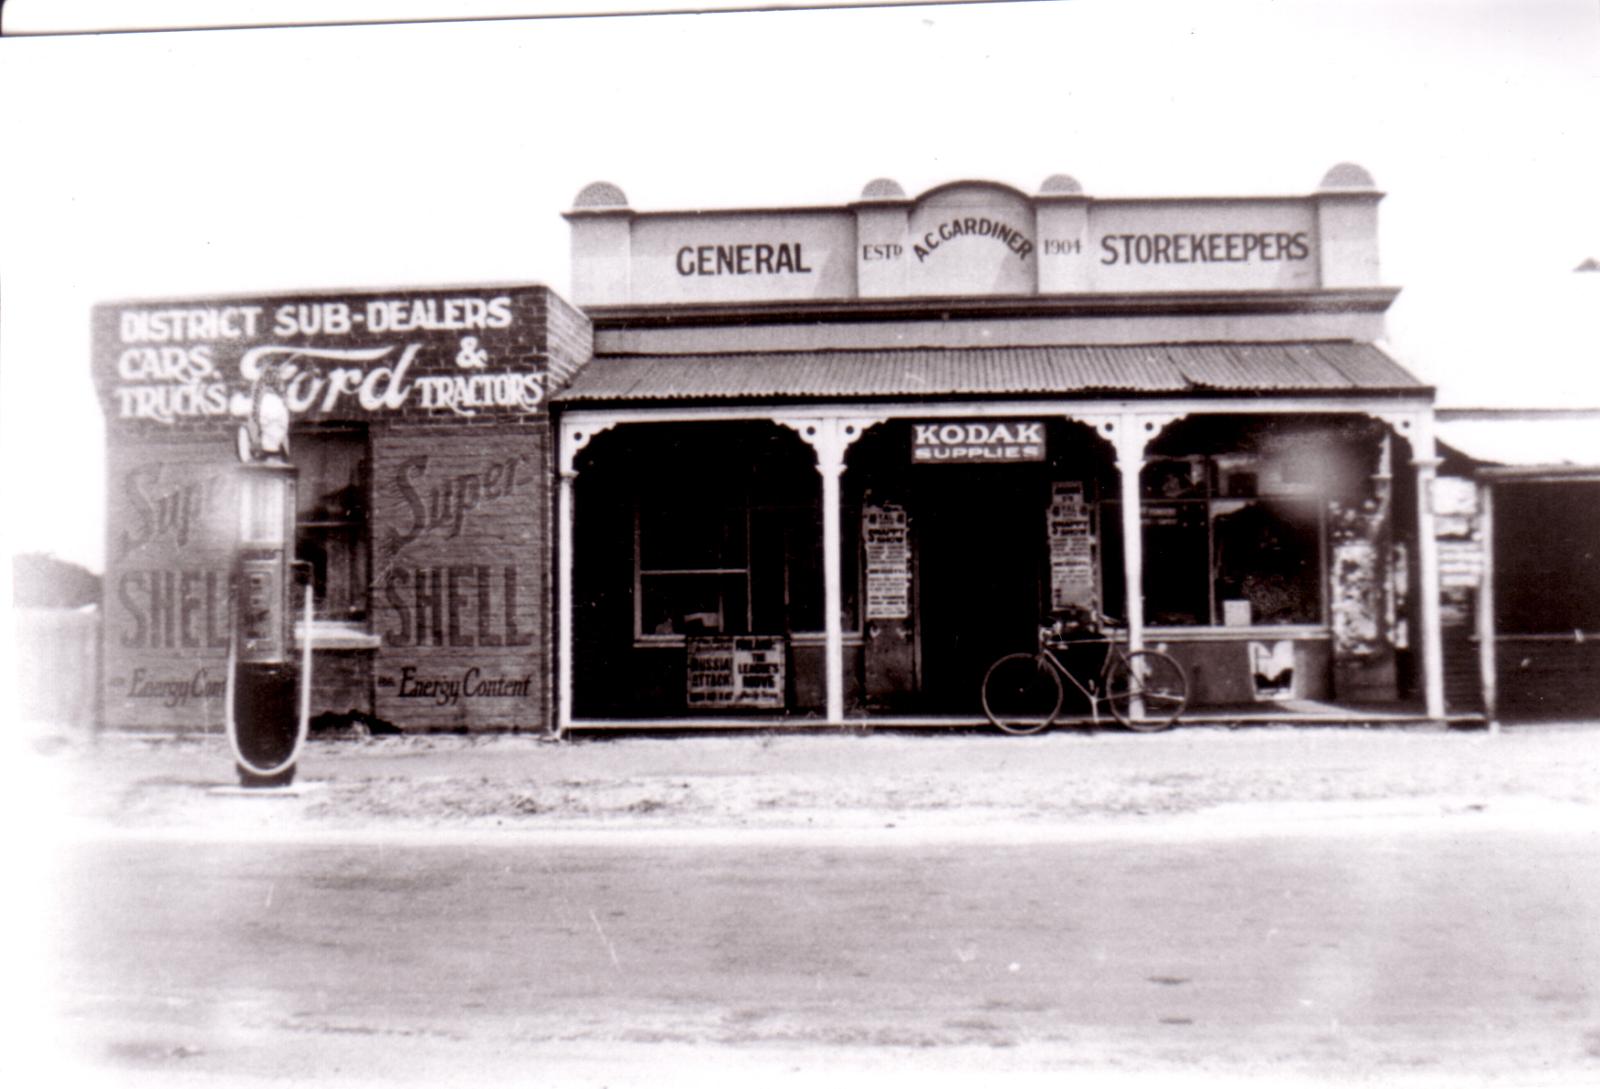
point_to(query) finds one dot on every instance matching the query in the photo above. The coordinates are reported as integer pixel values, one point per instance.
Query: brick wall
(569, 338)
(461, 576)
(451, 386)
(169, 552)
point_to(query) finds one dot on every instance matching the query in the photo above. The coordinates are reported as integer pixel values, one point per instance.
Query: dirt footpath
(831, 779)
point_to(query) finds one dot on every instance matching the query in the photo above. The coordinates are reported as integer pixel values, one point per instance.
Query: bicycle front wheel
(1147, 690)
(1022, 694)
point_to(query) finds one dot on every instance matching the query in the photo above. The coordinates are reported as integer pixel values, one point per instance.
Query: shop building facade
(1517, 511)
(811, 465)
(419, 428)
(828, 463)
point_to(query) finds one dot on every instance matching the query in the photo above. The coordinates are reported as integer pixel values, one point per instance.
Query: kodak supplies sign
(992, 441)
(449, 354)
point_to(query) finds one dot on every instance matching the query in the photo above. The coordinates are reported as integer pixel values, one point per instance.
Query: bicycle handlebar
(1099, 629)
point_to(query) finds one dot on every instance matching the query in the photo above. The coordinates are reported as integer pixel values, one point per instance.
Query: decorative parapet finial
(1060, 185)
(600, 196)
(883, 189)
(1348, 176)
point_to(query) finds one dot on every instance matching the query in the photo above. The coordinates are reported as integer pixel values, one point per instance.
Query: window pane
(691, 536)
(692, 605)
(1175, 575)
(786, 569)
(1268, 553)
(331, 537)
(338, 559)
(1112, 600)
(330, 484)
(1174, 478)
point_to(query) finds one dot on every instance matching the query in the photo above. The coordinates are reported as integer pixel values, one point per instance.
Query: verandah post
(1130, 440)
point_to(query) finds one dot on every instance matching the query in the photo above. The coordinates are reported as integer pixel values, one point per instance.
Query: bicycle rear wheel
(1147, 690)
(1022, 694)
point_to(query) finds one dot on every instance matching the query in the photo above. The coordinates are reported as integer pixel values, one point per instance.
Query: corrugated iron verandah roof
(1292, 367)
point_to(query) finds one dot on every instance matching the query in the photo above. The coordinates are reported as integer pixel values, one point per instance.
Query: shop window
(1267, 561)
(693, 567)
(727, 535)
(331, 520)
(1229, 540)
(728, 568)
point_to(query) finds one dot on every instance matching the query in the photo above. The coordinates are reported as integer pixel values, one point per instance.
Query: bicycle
(1146, 690)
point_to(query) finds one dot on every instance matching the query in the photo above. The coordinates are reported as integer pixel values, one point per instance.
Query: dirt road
(825, 779)
(1204, 907)
(1463, 951)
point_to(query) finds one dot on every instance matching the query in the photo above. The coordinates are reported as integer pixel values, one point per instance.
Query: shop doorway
(1547, 598)
(980, 533)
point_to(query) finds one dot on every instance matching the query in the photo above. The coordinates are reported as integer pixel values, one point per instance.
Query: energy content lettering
(448, 690)
(172, 691)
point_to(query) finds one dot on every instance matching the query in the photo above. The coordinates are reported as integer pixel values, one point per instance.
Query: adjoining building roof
(1275, 368)
(1523, 441)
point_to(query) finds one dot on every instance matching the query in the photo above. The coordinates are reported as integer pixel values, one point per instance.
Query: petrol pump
(269, 692)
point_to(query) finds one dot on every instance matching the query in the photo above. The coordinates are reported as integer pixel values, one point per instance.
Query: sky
(249, 161)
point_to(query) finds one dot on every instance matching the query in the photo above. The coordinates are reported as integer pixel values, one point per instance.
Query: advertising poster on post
(1071, 535)
(887, 550)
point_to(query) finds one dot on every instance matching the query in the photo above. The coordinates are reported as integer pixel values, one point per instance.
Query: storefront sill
(679, 642)
(1305, 713)
(780, 722)
(1256, 633)
(327, 635)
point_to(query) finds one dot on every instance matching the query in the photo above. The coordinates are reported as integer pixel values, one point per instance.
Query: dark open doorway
(980, 541)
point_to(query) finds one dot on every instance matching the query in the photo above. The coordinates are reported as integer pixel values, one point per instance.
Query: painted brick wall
(461, 576)
(171, 514)
(450, 384)
(569, 339)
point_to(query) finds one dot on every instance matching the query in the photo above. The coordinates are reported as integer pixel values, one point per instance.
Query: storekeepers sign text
(966, 443)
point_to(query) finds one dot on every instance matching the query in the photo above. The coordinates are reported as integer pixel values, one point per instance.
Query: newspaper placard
(1072, 543)
(736, 671)
(888, 560)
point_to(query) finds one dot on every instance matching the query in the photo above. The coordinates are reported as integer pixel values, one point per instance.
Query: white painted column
(1130, 440)
(566, 484)
(574, 436)
(1487, 664)
(1427, 466)
(830, 463)
(829, 439)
